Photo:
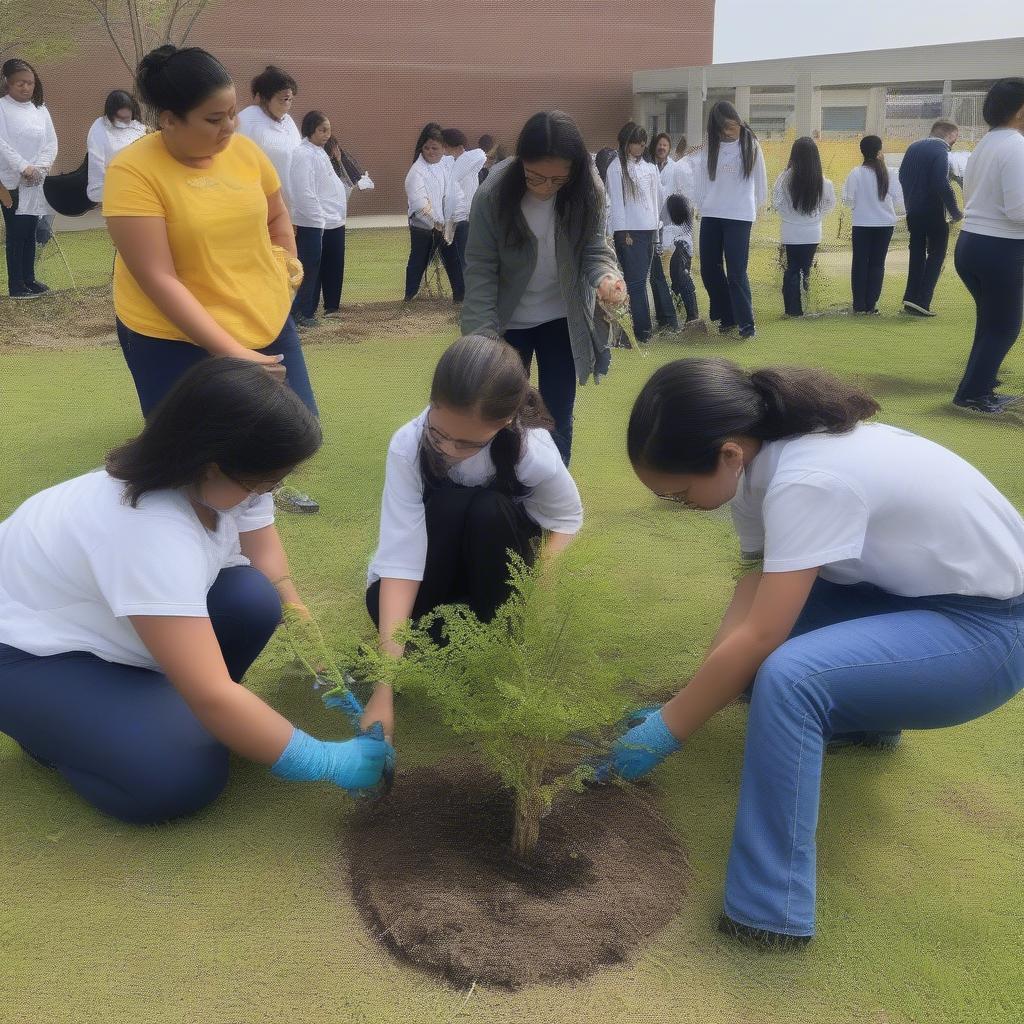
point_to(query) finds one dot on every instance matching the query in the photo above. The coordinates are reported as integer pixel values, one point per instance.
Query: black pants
(796, 277)
(870, 247)
(20, 247)
(929, 239)
(993, 270)
(459, 241)
(309, 246)
(556, 373)
(725, 245)
(470, 531)
(332, 268)
(682, 282)
(423, 242)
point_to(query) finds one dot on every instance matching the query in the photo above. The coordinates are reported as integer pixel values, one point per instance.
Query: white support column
(803, 105)
(695, 107)
(875, 120)
(743, 102)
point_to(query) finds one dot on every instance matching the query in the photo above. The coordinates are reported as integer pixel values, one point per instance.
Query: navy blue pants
(556, 373)
(796, 277)
(156, 364)
(682, 282)
(636, 251)
(724, 254)
(867, 272)
(123, 737)
(332, 268)
(422, 243)
(20, 247)
(929, 240)
(993, 270)
(309, 244)
(459, 241)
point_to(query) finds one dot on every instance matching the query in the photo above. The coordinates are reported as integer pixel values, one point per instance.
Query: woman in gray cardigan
(537, 261)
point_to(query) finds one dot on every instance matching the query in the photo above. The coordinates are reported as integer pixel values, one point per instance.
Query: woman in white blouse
(425, 187)
(319, 209)
(28, 147)
(475, 475)
(120, 126)
(731, 185)
(268, 121)
(803, 198)
(990, 251)
(635, 202)
(876, 198)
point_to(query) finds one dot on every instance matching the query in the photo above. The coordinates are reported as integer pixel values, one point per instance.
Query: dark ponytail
(870, 149)
(179, 80)
(12, 67)
(486, 376)
(629, 133)
(691, 407)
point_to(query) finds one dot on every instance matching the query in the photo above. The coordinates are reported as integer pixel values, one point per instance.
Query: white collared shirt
(425, 188)
(27, 138)
(319, 198)
(278, 139)
(463, 181)
(104, 140)
(639, 212)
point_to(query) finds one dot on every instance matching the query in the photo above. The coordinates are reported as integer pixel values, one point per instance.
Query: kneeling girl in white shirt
(134, 598)
(472, 476)
(884, 603)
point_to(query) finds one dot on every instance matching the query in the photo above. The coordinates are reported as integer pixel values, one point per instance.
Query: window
(843, 119)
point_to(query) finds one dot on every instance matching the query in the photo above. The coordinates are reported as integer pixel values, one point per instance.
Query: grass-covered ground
(242, 913)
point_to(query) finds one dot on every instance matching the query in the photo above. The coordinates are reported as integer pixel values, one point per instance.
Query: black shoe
(37, 288)
(761, 937)
(987, 405)
(726, 328)
(867, 740)
(748, 332)
(916, 309)
(873, 312)
(24, 293)
(293, 500)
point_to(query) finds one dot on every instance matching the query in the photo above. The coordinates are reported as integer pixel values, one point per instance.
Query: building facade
(381, 69)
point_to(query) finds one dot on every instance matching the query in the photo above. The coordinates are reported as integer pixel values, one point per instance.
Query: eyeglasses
(263, 488)
(679, 498)
(440, 437)
(537, 180)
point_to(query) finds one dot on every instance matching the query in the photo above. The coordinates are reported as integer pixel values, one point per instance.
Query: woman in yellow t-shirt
(204, 243)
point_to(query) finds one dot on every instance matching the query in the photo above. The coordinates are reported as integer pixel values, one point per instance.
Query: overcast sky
(762, 29)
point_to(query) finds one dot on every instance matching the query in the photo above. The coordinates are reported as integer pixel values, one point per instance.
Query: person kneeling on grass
(475, 475)
(881, 606)
(134, 598)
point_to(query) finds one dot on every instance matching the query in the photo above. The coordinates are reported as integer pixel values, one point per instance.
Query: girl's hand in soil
(639, 750)
(353, 765)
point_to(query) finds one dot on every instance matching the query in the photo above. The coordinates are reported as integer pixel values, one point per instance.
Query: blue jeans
(422, 243)
(156, 364)
(796, 277)
(20, 247)
(725, 246)
(123, 737)
(859, 659)
(459, 241)
(556, 373)
(309, 246)
(993, 271)
(635, 250)
(867, 270)
(682, 282)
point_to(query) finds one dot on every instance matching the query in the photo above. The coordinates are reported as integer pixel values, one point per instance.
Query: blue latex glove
(353, 764)
(349, 704)
(638, 751)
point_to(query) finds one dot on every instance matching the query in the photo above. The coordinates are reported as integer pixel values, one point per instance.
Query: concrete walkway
(93, 221)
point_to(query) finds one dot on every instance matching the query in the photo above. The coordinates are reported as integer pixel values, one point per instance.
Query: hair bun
(155, 61)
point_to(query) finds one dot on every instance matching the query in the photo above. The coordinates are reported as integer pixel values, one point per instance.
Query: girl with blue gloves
(891, 598)
(134, 598)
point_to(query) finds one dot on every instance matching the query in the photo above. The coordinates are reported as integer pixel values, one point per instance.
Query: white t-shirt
(730, 196)
(860, 193)
(994, 186)
(278, 139)
(551, 500)
(425, 187)
(542, 301)
(105, 139)
(883, 506)
(463, 181)
(27, 138)
(319, 198)
(640, 212)
(800, 228)
(76, 561)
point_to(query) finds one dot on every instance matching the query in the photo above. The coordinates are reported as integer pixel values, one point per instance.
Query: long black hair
(629, 133)
(691, 407)
(224, 411)
(579, 204)
(719, 114)
(486, 376)
(680, 210)
(871, 149)
(12, 67)
(179, 80)
(806, 180)
(311, 121)
(431, 130)
(121, 100)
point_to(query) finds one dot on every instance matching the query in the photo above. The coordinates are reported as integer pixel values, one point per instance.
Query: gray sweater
(497, 275)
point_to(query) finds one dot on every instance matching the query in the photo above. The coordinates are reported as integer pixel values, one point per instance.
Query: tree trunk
(526, 828)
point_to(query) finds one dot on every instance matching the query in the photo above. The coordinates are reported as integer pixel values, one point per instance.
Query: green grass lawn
(242, 913)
